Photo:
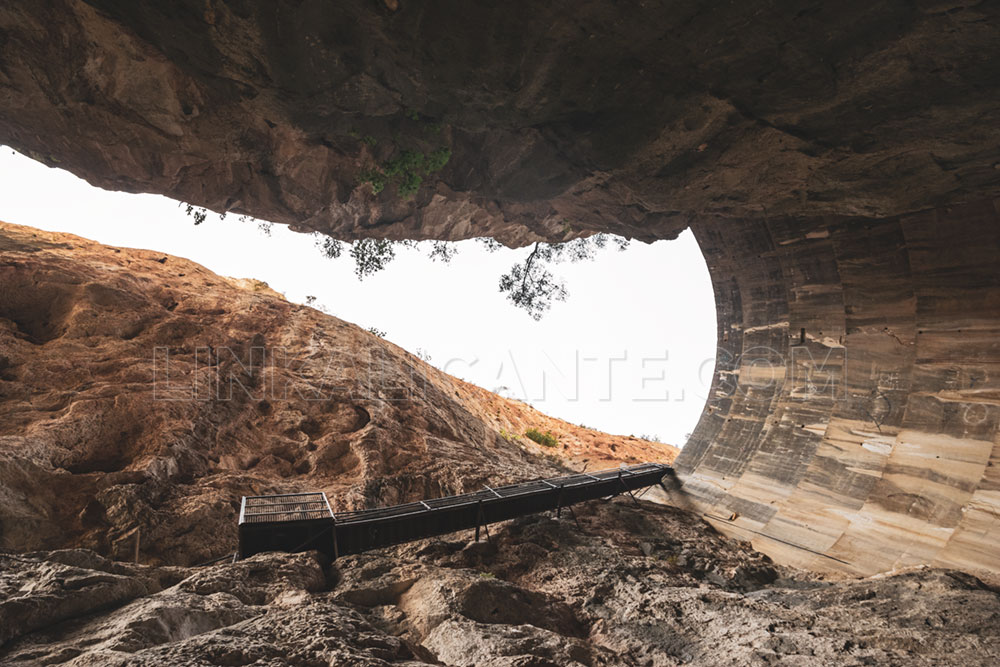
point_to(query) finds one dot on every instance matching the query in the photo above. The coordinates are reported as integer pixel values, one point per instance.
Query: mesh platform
(285, 507)
(290, 522)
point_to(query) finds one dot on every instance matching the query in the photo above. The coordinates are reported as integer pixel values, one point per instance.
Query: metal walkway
(301, 522)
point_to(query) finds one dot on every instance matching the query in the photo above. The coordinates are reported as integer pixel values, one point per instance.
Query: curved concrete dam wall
(853, 421)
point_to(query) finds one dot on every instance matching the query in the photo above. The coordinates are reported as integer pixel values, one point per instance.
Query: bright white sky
(630, 352)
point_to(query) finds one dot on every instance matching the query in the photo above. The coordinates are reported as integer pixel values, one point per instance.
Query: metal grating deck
(288, 522)
(285, 507)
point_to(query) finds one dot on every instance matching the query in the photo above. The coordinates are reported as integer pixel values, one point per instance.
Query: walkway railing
(300, 522)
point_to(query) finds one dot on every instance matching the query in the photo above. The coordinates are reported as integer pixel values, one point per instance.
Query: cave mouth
(839, 169)
(602, 358)
(851, 420)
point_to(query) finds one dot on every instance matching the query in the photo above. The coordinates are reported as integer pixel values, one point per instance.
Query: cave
(838, 163)
(841, 183)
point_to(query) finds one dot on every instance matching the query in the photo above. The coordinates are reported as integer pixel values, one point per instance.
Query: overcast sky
(630, 352)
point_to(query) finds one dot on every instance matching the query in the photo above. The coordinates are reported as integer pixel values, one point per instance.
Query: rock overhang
(838, 165)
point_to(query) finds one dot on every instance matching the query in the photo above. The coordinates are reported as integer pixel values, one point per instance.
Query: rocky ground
(142, 395)
(647, 585)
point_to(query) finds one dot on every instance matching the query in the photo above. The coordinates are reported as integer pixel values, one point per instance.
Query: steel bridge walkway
(305, 521)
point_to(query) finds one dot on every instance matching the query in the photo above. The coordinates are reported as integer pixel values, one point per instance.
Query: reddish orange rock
(141, 395)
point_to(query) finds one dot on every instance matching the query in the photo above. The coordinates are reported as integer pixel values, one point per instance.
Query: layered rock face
(838, 163)
(628, 586)
(141, 395)
(854, 415)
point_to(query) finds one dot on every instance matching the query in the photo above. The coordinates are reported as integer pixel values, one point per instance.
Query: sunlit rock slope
(141, 395)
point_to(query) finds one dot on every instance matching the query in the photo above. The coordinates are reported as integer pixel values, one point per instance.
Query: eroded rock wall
(854, 416)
